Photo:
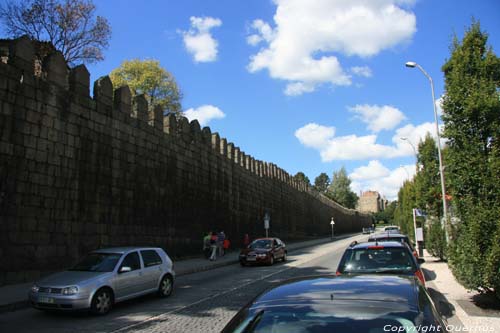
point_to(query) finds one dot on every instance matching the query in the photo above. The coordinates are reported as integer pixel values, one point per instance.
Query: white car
(105, 277)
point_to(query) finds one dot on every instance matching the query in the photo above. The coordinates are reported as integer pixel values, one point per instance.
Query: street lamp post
(332, 223)
(412, 64)
(411, 144)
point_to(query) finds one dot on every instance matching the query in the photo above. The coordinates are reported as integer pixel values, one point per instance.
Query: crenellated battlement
(81, 171)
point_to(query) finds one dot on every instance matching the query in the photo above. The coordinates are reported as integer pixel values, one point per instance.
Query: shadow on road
(443, 306)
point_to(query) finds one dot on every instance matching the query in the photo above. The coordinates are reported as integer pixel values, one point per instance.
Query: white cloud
(199, 41)
(361, 71)
(307, 34)
(386, 182)
(353, 147)
(373, 170)
(378, 117)
(204, 114)
(314, 135)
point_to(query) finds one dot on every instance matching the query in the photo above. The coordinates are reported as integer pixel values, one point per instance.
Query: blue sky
(310, 85)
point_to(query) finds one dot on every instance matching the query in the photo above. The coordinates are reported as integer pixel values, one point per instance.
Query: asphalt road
(203, 302)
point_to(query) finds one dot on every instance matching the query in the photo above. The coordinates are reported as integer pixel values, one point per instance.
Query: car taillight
(378, 247)
(337, 273)
(415, 254)
(420, 275)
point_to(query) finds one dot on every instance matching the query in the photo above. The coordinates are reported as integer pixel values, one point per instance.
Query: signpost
(267, 219)
(332, 224)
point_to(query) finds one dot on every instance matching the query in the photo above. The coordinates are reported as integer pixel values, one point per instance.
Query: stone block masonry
(79, 173)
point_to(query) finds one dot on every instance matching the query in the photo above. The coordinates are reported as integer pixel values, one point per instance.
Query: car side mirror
(421, 260)
(125, 269)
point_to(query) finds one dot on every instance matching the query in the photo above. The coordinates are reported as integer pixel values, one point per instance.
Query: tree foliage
(70, 25)
(471, 113)
(301, 177)
(340, 189)
(149, 78)
(322, 182)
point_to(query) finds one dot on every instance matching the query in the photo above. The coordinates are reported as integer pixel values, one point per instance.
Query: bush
(436, 240)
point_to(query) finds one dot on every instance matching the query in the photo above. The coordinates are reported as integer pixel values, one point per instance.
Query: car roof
(388, 234)
(385, 244)
(392, 289)
(124, 249)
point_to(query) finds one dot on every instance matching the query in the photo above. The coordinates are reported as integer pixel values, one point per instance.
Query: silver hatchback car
(105, 277)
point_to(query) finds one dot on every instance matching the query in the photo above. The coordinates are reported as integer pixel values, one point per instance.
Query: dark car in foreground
(263, 251)
(393, 237)
(105, 277)
(346, 304)
(380, 258)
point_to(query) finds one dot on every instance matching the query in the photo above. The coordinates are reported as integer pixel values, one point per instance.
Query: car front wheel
(102, 302)
(166, 286)
(271, 260)
(284, 257)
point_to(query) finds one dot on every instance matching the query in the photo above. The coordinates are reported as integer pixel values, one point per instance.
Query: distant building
(371, 202)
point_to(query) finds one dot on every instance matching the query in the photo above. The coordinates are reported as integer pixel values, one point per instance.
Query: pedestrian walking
(227, 244)
(206, 245)
(213, 246)
(221, 237)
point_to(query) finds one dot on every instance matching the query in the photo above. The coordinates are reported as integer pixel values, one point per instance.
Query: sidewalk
(457, 301)
(15, 296)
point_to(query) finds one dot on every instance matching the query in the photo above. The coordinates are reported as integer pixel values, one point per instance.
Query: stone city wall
(79, 173)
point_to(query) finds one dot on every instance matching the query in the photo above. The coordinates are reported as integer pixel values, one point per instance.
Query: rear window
(378, 260)
(150, 258)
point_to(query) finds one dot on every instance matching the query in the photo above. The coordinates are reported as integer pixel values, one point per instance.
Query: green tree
(69, 25)
(471, 114)
(149, 78)
(427, 180)
(301, 177)
(340, 189)
(322, 182)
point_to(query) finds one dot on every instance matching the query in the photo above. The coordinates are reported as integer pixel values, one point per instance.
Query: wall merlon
(223, 147)
(79, 80)
(195, 130)
(22, 54)
(103, 91)
(170, 124)
(230, 150)
(215, 140)
(206, 135)
(184, 129)
(156, 118)
(236, 155)
(56, 70)
(140, 108)
(123, 100)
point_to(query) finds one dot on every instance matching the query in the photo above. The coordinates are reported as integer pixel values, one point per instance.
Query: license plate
(251, 258)
(43, 299)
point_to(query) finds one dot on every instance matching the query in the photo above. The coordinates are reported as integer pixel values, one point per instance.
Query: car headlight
(70, 290)
(35, 288)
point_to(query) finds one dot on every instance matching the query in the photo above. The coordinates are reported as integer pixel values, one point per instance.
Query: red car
(263, 251)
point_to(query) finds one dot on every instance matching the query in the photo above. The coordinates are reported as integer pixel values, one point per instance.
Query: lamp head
(404, 138)
(411, 64)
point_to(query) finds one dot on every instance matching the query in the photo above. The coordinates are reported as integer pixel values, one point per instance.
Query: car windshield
(261, 244)
(319, 318)
(98, 262)
(378, 259)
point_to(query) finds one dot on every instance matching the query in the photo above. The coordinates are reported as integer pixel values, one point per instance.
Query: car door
(279, 251)
(130, 282)
(152, 270)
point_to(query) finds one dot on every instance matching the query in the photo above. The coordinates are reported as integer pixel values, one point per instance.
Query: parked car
(105, 277)
(396, 237)
(347, 304)
(391, 228)
(366, 231)
(263, 251)
(380, 258)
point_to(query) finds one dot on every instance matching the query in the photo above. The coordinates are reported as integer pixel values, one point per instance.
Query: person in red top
(246, 240)
(226, 245)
